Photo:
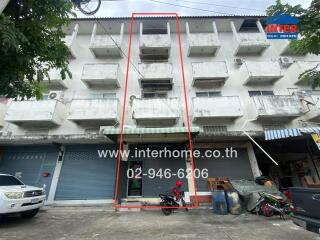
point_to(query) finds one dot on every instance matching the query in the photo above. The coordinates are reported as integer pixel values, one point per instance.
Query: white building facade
(235, 80)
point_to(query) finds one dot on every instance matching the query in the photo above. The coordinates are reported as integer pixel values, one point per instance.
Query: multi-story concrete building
(235, 79)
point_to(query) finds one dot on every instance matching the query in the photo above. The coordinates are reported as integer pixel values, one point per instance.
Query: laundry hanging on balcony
(289, 132)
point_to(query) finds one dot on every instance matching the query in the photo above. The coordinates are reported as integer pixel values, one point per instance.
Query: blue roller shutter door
(86, 176)
(30, 163)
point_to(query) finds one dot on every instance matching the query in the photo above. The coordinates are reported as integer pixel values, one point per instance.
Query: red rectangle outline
(124, 107)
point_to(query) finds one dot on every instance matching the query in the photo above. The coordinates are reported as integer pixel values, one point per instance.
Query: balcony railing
(277, 106)
(265, 72)
(203, 44)
(209, 73)
(102, 75)
(156, 75)
(208, 108)
(70, 41)
(46, 113)
(55, 82)
(250, 43)
(154, 46)
(104, 45)
(156, 111)
(95, 112)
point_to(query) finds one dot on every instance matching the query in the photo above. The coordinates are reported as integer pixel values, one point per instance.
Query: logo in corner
(282, 26)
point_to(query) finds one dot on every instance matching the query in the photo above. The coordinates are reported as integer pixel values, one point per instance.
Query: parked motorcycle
(269, 204)
(168, 203)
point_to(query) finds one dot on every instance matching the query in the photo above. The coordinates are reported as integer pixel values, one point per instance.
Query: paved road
(68, 223)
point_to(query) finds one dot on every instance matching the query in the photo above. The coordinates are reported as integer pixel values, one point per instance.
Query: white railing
(217, 107)
(277, 106)
(156, 108)
(94, 109)
(51, 111)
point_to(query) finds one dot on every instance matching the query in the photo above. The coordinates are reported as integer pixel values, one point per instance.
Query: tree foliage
(309, 30)
(31, 44)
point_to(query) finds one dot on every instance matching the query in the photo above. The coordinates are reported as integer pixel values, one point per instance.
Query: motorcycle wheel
(166, 211)
(265, 210)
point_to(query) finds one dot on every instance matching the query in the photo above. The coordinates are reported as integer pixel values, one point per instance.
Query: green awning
(139, 131)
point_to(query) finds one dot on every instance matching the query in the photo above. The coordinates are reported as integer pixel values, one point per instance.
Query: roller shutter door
(29, 164)
(86, 176)
(235, 168)
(152, 187)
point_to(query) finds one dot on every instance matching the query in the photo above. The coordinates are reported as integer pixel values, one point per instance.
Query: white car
(18, 198)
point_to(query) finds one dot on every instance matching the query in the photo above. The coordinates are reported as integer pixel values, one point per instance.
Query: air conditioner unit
(285, 61)
(238, 61)
(57, 95)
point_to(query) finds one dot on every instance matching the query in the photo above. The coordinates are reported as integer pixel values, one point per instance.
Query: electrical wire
(199, 9)
(221, 5)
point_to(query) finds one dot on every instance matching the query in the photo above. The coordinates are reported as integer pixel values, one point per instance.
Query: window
(102, 95)
(249, 25)
(208, 94)
(6, 180)
(154, 95)
(272, 127)
(215, 129)
(260, 93)
(154, 28)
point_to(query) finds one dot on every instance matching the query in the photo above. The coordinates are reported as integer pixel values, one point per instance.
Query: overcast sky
(120, 8)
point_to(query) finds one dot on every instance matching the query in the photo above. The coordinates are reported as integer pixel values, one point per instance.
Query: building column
(56, 175)
(253, 161)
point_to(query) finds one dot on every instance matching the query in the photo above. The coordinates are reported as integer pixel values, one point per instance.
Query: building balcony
(153, 46)
(278, 107)
(104, 45)
(209, 108)
(203, 44)
(3, 109)
(95, 112)
(55, 82)
(250, 42)
(300, 67)
(102, 75)
(156, 111)
(156, 76)
(44, 113)
(70, 41)
(209, 73)
(265, 72)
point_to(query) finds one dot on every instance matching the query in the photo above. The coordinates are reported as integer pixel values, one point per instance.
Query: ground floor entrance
(298, 162)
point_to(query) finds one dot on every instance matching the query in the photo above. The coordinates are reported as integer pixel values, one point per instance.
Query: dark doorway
(134, 175)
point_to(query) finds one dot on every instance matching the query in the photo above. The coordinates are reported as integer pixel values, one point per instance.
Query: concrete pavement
(102, 222)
